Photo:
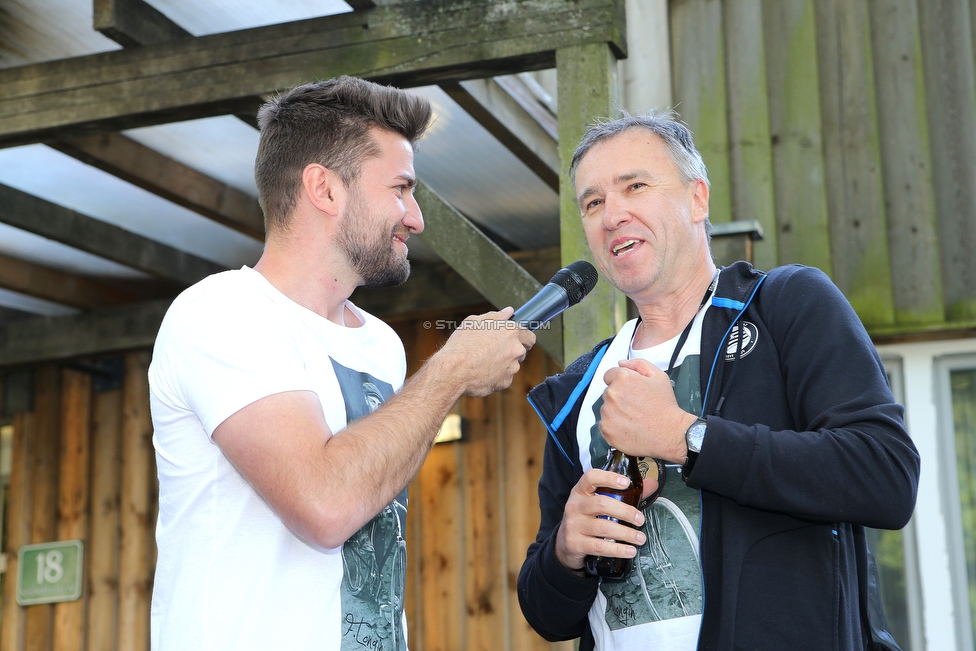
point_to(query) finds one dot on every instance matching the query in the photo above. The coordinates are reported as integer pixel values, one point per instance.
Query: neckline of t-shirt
(306, 314)
(665, 348)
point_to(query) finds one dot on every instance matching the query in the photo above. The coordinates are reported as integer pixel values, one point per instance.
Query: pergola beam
(503, 117)
(132, 23)
(165, 177)
(407, 44)
(41, 282)
(29, 213)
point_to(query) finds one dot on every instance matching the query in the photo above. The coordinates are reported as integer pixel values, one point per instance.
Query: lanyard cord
(687, 330)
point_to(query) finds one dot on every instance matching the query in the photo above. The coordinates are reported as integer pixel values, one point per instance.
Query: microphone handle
(551, 301)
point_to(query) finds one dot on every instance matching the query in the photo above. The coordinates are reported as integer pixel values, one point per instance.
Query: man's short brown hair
(328, 123)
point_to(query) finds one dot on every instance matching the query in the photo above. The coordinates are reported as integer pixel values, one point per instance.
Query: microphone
(565, 289)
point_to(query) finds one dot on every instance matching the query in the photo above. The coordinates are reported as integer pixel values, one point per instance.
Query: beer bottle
(610, 567)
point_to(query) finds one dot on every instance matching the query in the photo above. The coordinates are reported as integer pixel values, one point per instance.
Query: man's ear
(699, 201)
(323, 188)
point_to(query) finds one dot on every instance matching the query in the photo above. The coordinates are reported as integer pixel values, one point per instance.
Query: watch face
(696, 435)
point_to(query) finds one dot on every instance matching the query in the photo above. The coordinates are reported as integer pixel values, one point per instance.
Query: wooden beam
(165, 177)
(409, 44)
(132, 23)
(481, 262)
(29, 213)
(498, 112)
(587, 91)
(132, 326)
(95, 332)
(439, 288)
(76, 291)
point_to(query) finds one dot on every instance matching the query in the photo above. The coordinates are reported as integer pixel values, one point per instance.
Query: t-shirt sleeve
(216, 357)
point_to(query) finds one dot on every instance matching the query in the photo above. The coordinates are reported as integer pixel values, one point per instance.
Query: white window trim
(923, 368)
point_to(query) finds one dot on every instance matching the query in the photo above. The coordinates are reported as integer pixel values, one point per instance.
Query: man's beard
(376, 261)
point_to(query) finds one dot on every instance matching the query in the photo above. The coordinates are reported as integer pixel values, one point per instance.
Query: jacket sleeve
(846, 455)
(554, 600)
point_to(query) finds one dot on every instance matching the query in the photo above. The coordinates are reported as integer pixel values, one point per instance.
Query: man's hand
(583, 532)
(640, 415)
(484, 354)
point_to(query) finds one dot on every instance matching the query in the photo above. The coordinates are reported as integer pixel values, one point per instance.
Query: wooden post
(750, 149)
(135, 572)
(587, 91)
(103, 542)
(76, 394)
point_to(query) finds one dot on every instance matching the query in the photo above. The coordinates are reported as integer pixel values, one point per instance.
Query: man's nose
(413, 220)
(614, 212)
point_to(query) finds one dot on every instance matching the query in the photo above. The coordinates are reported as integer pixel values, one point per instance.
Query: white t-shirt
(229, 575)
(658, 604)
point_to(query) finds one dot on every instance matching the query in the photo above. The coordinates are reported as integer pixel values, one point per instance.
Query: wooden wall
(848, 129)
(83, 468)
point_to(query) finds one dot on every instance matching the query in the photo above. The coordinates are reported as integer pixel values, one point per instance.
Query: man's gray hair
(676, 136)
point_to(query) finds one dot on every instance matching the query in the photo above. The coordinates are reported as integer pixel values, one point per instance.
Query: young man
(284, 440)
(763, 399)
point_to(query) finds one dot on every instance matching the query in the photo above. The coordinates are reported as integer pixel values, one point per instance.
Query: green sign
(49, 572)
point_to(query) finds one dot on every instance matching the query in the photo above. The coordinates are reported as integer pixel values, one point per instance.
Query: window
(957, 377)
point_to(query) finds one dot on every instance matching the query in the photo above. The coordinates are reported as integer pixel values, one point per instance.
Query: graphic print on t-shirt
(374, 559)
(664, 581)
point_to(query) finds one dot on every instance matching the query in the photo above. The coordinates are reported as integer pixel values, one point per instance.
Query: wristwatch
(694, 437)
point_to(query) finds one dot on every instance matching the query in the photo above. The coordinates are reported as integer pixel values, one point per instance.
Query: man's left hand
(640, 415)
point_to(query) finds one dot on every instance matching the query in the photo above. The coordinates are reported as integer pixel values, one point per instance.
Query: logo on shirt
(750, 335)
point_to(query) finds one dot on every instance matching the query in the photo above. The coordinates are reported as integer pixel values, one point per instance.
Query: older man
(763, 399)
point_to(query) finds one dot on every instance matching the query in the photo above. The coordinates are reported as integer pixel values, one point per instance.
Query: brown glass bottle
(609, 567)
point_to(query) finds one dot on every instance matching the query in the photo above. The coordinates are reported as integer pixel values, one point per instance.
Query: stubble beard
(374, 259)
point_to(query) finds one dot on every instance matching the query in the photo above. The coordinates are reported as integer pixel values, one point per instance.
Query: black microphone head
(576, 279)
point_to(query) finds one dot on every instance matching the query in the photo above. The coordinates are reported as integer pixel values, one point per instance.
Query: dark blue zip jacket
(805, 447)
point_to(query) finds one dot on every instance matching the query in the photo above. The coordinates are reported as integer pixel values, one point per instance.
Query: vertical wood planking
(586, 91)
(950, 94)
(906, 162)
(483, 570)
(73, 514)
(19, 521)
(412, 605)
(698, 62)
(789, 32)
(852, 157)
(750, 151)
(47, 410)
(440, 552)
(523, 441)
(103, 542)
(135, 572)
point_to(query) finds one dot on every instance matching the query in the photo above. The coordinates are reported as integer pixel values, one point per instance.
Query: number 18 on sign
(49, 572)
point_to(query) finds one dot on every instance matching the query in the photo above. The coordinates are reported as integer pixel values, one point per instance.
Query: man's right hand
(485, 352)
(584, 532)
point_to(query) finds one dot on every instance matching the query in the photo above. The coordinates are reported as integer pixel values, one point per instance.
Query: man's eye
(594, 204)
(637, 186)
